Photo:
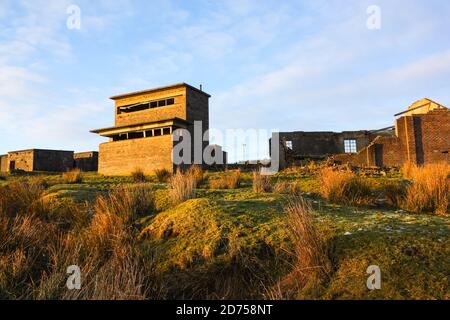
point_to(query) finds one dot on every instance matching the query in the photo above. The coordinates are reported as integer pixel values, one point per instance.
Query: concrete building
(144, 124)
(86, 161)
(37, 160)
(421, 135)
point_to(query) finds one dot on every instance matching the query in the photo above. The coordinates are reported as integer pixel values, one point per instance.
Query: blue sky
(286, 65)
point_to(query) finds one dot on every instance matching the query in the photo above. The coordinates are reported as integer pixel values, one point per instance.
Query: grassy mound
(191, 232)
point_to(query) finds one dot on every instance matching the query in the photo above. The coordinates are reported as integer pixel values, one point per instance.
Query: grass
(138, 175)
(182, 187)
(162, 175)
(229, 180)
(261, 182)
(132, 241)
(429, 190)
(73, 176)
(344, 187)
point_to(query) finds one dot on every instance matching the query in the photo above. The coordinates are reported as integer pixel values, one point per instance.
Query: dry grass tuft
(138, 175)
(311, 261)
(285, 187)
(261, 183)
(344, 187)
(429, 190)
(196, 172)
(162, 175)
(230, 180)
(182, 187)
(73, 176)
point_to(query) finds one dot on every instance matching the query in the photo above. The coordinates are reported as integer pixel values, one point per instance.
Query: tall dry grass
(229, 180)
(138, 175)
(162, 175)
(182, 187)
(261, 182)
(286, 187)
(73, 176)
(344, 187)
(429, 190)
(196, 172)
(312, 264)
(36, 249)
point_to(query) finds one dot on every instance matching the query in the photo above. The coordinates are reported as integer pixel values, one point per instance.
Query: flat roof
(168, 121)
(26, 150)
(181, 84)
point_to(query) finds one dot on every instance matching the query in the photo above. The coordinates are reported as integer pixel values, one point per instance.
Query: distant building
(37, 160)
(86, 161)
(421, 135)
(144, 125)
(42, 160)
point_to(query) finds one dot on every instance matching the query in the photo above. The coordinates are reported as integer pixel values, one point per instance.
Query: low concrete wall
(148, 154)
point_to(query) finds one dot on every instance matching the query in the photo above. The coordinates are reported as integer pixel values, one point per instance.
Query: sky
(268, 65)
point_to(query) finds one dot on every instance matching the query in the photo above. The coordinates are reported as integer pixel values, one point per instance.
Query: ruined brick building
(421, 135)
(41, 160)
(144, 125)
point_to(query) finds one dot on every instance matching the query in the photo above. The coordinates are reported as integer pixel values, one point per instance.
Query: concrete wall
(177, 110)
(21, 160)
(86, 161)
(4, 163)
(52, 160)
(148, 154)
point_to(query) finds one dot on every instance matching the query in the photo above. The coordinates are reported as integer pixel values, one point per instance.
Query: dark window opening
(145, 106)
(149, 133)
(166, 131)
(157, 132)
(135, 135)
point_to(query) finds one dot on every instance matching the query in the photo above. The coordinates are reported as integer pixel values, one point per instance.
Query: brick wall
(148, 154)
(420, 139)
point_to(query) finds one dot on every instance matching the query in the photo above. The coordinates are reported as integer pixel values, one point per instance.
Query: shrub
(344, 187)
(229, 180)
(285, 187)
(429, 190)
(73, 176)
(138, 175)
(196, 172)
(182, 187)
(261, 183)
(162, 175)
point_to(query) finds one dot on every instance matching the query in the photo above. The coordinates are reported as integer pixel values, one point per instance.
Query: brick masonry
(420, 139)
